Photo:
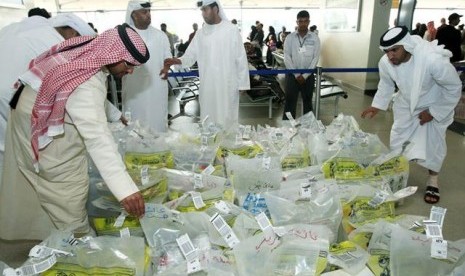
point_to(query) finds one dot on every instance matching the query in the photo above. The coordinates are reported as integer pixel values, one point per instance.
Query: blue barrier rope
(293, 71)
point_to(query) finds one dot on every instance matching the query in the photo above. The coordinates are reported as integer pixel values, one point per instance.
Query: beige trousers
(32, 204)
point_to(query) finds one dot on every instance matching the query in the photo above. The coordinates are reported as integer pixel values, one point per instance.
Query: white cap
(135, 5)
(72, 21)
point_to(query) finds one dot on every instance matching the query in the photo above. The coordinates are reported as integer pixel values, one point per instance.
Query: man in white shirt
(57, 119)
(23, 41)
(429, 90)
(145, 94)
(301, 51)
(223, 68)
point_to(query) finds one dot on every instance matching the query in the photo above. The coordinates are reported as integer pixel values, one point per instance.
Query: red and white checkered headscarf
(56, 73)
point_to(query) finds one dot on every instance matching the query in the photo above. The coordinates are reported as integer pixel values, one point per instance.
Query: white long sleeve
(86, 108)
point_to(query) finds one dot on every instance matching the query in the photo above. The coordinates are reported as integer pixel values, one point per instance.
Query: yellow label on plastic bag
(342, 247)
(156, 190)
(244, 151)
(77, 270)
(361, 212)
(105, 226)
(291, 162)
(392, 166)
(157, 160)
(343, 168)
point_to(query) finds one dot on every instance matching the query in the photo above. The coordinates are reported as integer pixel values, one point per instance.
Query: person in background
(313, 29)
(430, 33)
(422, 30)
(282, 34)
(301, 51)
(234, 21)
(57, 120)
(462, 45)
(191, 35)
(170, 36)
(429, 90)
(451, 38)
(145, 94)
(270, 42)
(259, 36)
(38, 12)
(25, 40)
(443, 23)
(223, 69)
(416, 31)
(253, 32)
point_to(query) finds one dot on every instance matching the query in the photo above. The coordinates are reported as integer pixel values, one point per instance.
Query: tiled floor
(452, 177)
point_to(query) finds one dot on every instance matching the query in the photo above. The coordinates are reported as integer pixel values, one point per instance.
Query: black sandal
(432, 195)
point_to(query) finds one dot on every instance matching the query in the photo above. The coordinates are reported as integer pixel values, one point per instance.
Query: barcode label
(144, 175)
(433, 231)
(38, 267)
(263, 221)
(72, 241)
(378, 199)
(26, 270)
(345, 257)
(222, 207)
(194, 266)
(186, 246)
(219, 223)
(120, 220)
(305, 190)
(439, 248)
(225, 231)
(197, 199)
(198, 181)
(40, 251)
(437, 214)
(204, 140)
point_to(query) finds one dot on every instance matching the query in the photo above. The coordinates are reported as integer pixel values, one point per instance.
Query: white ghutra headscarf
(204, 3)
(135, 5)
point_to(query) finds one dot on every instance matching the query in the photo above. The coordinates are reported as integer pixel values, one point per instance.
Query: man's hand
(370, 112)
(166, 67)
(164, 72)
(134, 205)
(425, 117)
(300, 79)
(124, 120)
(171, 61)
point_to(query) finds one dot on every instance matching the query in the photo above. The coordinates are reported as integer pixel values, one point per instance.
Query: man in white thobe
(429, 90)
(23, 41)
(145, 94)
(222, 62)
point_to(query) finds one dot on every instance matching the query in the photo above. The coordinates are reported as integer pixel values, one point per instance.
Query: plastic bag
(323, 207)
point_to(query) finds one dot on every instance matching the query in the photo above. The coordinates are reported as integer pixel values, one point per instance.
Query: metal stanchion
(318, 92)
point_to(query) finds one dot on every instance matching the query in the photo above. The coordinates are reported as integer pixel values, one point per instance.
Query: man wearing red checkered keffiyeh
(57, 117)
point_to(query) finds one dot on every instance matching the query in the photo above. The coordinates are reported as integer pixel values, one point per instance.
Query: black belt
(15, 99)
